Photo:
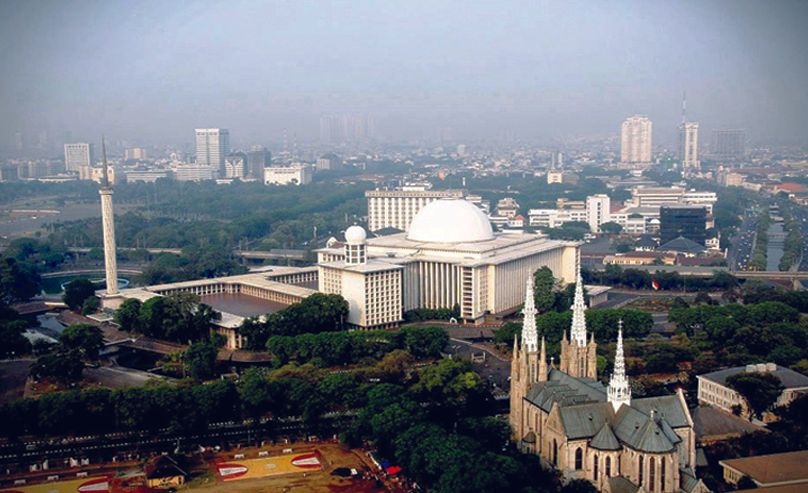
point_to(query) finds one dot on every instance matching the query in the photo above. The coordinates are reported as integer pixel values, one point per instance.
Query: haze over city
(538, 71)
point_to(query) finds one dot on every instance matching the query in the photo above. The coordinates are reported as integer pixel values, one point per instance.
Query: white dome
(450, 221)
(355, 235)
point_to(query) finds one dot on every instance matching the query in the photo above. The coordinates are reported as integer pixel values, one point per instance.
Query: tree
(84, 338)
(543, 289)
(760, 390)
(76, 292)
(200, 359)
(579, 486)
(90, 305)
(18, 281)
(611, 227)
(128, 315)
(64, 366)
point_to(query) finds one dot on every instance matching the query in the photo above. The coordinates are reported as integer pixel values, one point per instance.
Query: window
(555, 452)
(651, 473)
(579, 459)
(595, 468)
(662, 474)
(608, 467)
(640, 470)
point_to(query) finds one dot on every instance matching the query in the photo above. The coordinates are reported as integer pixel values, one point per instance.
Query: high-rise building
(397, 208)
(688, 221)
(212, 146)
(78, 155)
(235, 166)
(689, 145)
(257, 159)
(597, 211)
(728, 144)
(134, 154)
(338, 129)
(635, 140)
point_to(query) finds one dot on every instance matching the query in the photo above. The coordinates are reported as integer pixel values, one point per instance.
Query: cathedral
(588, 431)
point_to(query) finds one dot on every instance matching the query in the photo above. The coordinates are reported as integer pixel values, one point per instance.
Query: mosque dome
(355, 235)
(450, 221)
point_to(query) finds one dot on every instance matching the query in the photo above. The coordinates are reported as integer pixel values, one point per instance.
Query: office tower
(257, 159)
(78, 155)
(397, 208)
(597, 211)
(338, 129)
(635, 140)
(557, 160)
(689, 145)
(212, 146)
(728, 144)
(134, 154)
(689, 221)
(235, 166)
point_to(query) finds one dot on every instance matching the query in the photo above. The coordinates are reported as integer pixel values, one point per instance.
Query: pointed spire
(578, 328)
(619, 391)
(530, 336)
(543, 361)
(515, 346)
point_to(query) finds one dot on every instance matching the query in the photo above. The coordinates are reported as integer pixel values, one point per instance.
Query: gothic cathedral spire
(530, 337)
(578, 329)
(619, 391)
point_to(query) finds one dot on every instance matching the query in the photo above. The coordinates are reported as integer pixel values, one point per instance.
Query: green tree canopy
(76, 292)
(760, 390)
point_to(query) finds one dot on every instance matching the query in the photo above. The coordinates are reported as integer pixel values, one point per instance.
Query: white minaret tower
(619, 391)
(355, 245)
(530, 336)
(108, 224)
(578, 329)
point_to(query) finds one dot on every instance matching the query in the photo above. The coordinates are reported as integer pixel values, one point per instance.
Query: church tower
(579, 358)
(528, 365)
(619, 391)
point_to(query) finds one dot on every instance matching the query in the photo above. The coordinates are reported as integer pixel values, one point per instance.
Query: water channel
(775, 248)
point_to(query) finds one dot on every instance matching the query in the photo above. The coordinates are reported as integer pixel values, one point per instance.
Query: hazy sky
(151, 71)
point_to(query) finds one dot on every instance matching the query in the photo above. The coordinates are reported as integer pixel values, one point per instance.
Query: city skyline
(571, 70)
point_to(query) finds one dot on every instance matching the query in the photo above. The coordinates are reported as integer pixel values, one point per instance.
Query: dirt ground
(320, 481)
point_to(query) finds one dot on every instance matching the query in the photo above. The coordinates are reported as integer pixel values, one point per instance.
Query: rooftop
(788, 377)
(772, 469)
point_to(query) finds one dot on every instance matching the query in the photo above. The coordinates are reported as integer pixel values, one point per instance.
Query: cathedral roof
(642, 432)
(667, 407)
(584, 420)
(605, 439)
(619, 484)
(565, 390)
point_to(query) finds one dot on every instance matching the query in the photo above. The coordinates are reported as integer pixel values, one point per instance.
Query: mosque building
(450, 256)
(588, 431)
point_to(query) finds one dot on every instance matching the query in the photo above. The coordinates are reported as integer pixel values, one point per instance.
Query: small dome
(450, 221)
(355, 235)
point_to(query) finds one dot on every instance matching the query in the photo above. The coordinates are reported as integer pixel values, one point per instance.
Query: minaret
(530, 337)
(619, 391)
(108, 225)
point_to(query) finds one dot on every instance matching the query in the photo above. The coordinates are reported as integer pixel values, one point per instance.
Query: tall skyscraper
(689, 145)
(597, 211)
(212, 146)
(635, 140)
(78, 155)
(257, 159)
(728, 144)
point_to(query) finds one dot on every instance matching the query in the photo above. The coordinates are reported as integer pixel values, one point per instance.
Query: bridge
(278, 253)
(702, 271)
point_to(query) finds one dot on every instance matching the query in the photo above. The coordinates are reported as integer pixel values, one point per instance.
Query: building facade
(78, 155)
(687, 221)
(298, 174)
(728, 144)
(258, 158)
(597, 211)
(588, 431)
(212, 146)
(713, 389)
(397, 208)
(451, 257)
(689, 142)
(635, 140)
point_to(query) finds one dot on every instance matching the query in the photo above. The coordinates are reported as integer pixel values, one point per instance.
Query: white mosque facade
(450, 256)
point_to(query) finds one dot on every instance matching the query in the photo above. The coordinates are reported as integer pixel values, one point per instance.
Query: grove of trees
(178, 317)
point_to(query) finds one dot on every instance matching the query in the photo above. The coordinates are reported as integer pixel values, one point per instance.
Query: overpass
(278, 253)
(703, 271)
